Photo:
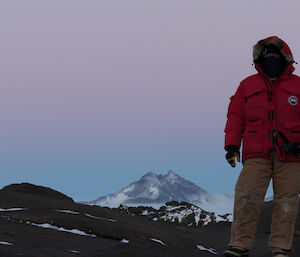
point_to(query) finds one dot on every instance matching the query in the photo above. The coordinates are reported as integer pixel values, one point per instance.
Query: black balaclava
(273, 66)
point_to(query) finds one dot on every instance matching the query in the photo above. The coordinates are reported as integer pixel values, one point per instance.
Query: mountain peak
(172, 177)
(171, 174)
(150, 174)
(153, 188)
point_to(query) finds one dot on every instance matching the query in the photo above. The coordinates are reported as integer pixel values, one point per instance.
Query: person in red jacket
(264, 114)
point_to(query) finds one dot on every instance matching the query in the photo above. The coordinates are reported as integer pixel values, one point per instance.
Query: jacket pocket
(253, 138)
(255, 104)
(292, 131)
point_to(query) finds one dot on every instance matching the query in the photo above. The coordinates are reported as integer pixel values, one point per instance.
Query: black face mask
(273, 66)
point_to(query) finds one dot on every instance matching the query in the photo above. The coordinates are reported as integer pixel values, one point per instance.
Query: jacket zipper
(270, 98)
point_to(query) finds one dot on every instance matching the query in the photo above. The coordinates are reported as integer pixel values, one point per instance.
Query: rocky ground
(38, 221)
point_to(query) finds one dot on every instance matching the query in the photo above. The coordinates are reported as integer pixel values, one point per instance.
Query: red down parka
(261, 108)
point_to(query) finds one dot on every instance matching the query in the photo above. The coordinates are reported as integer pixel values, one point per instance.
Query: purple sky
(94, 94)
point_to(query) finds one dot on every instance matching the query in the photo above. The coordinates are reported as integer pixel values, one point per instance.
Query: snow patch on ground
(74, 251)
(125, 241)
(202, 248)
(74, 231)
(67, 211)
(207, 220)
(99, 218)
(5, 243)
(173, 216)
(13, 209)
(158, 241)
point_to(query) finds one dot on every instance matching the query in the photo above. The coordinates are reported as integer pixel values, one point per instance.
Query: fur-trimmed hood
(282, 46)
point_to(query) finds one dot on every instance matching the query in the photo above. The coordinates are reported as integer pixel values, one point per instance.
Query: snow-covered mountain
(155, 190)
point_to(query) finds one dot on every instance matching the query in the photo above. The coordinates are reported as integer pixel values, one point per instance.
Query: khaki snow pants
(250, 191)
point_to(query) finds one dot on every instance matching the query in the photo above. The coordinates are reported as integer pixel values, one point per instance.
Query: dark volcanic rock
(35, 191)
(29, 195)
(33, 230)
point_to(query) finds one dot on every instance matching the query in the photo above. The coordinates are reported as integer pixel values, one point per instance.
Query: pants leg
(250, 191)
(286, 186)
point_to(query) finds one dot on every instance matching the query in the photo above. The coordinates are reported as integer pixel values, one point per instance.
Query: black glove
(295, 149)
(233, 151)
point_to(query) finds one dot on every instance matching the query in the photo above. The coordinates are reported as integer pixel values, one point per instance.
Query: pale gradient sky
(94, 94)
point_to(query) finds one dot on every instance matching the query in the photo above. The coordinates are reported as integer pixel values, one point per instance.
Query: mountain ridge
(154, 188)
